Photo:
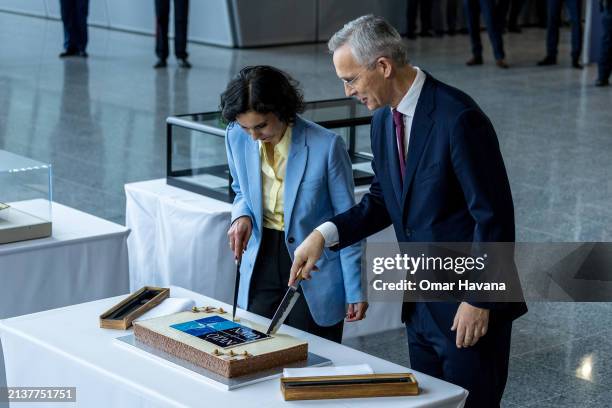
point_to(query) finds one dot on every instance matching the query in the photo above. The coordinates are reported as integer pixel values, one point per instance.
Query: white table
(84, 259)
(180, 238)
(65, 347)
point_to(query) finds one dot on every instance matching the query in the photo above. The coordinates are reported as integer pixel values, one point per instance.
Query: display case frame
(210, 124)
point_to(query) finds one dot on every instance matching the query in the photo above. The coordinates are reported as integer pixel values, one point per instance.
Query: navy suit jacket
(455, 187)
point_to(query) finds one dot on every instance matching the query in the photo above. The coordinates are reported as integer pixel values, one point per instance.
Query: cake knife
(285, 306)
(236, 286)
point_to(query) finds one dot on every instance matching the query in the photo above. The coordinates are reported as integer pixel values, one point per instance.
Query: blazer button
(291, 240)
(408, 233)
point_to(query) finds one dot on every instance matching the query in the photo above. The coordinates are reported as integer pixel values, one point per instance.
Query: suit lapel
(296, 165)
(253, 165)
(419, 134)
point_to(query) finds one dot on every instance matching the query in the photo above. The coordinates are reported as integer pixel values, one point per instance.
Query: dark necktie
(398, 120)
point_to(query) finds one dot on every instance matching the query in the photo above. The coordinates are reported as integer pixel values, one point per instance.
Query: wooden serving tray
(121, 316)
(349, 386)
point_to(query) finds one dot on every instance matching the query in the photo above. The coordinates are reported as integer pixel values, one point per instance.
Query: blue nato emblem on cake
(219, 331)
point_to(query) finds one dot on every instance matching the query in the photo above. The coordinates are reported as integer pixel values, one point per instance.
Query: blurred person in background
(605, 53)
(74, 18)
(574, 8)
(181, 18)
(489, 10)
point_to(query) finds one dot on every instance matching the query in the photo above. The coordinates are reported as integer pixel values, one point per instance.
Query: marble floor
(100, 122)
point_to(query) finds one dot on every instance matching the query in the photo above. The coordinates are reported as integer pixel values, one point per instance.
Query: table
(84, 259)
(71, 350)
(180, 238)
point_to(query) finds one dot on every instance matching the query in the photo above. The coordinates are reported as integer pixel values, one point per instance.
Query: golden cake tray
(130, 343)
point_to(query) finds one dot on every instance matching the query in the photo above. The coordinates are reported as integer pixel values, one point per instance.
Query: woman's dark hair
(262, 89)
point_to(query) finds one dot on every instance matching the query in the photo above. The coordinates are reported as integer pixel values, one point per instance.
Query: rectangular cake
(213, 341)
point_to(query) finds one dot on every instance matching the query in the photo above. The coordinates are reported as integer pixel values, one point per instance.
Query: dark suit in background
(455, 188)
(605, 53)
(441, 9)
(510, 10)
(424, 9)
(181, 17)
(473, 8)
(574, 8)
(74, 18)
(451, 16)
(540, 6)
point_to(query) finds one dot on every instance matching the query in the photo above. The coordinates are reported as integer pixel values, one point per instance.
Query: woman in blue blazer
(289, 175)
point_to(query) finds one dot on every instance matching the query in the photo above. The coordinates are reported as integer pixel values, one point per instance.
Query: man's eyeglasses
(351, 83)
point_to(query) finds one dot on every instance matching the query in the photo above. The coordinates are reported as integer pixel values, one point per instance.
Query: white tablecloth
(84, 259)
(65, 347)
(180, 238)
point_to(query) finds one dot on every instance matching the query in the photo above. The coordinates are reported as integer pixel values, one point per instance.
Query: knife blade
(236, 286)
(285, 306)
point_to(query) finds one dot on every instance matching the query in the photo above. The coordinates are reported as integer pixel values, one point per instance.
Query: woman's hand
(356, 311)
(239, 234)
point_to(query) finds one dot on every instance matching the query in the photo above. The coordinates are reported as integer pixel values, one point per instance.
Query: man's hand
(471, 324)
(239, 234)
(306, 255)
(356, 311)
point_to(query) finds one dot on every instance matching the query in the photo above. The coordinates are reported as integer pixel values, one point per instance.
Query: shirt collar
(407, 105)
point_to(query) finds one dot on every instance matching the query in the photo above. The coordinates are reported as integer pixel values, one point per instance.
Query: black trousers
(181, 17)
(424, 7)
(574, 8)
(481, 369)
(489, 10)
(74, 18)
(509, 9)
(269, 284)
(605, 53)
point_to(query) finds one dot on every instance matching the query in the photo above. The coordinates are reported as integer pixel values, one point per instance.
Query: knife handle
(298, 279)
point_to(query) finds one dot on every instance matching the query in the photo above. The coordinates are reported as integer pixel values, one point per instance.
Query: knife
(285, 306)
(236, 286)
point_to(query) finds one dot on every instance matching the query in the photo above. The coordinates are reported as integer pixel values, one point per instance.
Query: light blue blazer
(318, 185)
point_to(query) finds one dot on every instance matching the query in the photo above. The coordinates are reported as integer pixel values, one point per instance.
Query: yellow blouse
(273, 171)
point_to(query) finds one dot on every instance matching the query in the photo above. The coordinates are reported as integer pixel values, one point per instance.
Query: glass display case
(196, 159)
(25, 198)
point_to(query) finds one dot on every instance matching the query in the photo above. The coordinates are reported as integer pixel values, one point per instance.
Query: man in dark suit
(574, 8)
(424, 7)
(181, 17)
(510, 9)
(490, 14)
(605, 52)
(439, 177)
(74, 18)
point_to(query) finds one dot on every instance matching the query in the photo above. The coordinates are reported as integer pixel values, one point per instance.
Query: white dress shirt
(406, 107)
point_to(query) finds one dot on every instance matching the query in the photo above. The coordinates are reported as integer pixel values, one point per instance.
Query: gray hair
(369, 38)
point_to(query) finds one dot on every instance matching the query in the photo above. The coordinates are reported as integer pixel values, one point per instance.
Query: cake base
(132, 345)
(250, 357)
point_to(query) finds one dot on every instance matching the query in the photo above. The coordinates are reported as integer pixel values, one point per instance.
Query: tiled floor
(101, 123)
(561, 355)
